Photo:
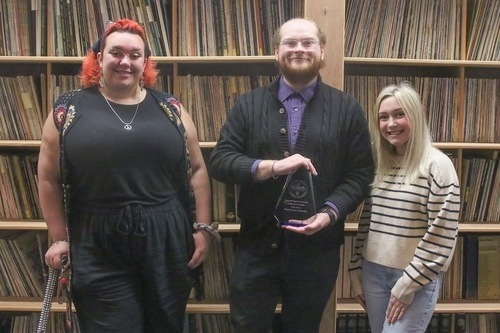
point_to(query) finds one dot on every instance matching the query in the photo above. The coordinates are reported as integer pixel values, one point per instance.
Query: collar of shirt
(284, 90)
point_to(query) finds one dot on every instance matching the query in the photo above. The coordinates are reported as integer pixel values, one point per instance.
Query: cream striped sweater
(410, 227)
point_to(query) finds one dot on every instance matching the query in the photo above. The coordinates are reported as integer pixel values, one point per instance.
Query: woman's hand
(361, 300)
(395, 310)
(55, 253)
(202, 244)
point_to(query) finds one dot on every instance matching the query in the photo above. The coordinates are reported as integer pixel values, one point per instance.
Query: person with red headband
(124, 191)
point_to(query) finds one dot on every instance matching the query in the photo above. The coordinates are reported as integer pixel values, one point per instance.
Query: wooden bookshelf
(456, 65)
(331, 17)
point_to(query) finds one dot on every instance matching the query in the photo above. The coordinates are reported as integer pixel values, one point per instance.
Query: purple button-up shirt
(294, 103)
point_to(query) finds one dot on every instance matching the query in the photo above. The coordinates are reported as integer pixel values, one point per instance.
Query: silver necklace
(127, 126)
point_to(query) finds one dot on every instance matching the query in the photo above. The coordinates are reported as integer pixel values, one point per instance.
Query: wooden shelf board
(467, 145)
(475, 227)
(211, 144)
(207, 144)
(215, 59)
(482, 227)
(222, 307)
(263, 59)
(235, 227)
(158, 59)
(216, 307)
(22, 225)
(40, 59)
(229, 227)
(441, 145)
(21, 144)
(420, 62)
(462, 306)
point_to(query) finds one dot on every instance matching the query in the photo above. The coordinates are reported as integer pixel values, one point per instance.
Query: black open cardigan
(333, 134)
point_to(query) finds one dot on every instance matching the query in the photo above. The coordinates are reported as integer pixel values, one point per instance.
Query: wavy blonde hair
(415, 161)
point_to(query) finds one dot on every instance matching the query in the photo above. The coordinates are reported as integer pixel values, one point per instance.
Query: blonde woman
(408, 229)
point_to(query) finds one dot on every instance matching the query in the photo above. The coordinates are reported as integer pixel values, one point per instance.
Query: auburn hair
(91, 71)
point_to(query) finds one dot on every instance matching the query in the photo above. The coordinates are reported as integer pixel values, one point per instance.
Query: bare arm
(274, 168)
(201, 186)
(50, 192)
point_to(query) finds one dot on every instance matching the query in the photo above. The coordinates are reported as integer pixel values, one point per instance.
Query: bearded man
(295, 122)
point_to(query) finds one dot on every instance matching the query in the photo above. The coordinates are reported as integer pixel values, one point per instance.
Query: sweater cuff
(403, 291)
(245, 169)
(334, 208)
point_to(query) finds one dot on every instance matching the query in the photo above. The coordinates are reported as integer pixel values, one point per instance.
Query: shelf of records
(454, 29)
(479, 173)
(216, 27)
(428, 29)
(441, 322)
(456, 108)
(211, 313)
(473, 279)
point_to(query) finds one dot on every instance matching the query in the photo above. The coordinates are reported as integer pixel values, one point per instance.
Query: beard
(300, 74)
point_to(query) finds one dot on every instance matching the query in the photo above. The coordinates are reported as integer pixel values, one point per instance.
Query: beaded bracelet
(211, 228)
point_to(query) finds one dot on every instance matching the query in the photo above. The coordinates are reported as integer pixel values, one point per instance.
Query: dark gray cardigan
(333, 134)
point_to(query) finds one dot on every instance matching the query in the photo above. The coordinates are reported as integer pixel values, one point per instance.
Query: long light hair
(415, 160)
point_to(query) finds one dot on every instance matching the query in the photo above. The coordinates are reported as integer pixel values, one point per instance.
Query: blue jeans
(377, 283)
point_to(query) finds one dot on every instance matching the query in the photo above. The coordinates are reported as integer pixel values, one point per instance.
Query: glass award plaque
(296, 201)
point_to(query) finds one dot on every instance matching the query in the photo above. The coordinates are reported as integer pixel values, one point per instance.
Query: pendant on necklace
(128, 127)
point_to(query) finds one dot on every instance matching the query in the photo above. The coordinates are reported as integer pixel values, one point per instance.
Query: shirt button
(274, 245)
(286, 153)
(281, 111)
(282, 130)
(296, 109)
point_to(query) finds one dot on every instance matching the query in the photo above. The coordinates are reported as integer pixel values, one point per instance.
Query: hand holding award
(296, 201)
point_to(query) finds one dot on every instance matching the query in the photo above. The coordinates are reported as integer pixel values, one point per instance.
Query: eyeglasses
(305, 43)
